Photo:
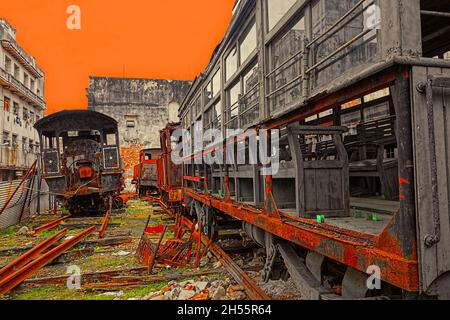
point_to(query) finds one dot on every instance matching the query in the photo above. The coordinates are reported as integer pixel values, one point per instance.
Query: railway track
(240, 276)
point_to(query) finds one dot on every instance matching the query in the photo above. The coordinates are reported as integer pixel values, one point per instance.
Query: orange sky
(169, 39)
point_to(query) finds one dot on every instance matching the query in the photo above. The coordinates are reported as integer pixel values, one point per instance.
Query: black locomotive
(80, 159)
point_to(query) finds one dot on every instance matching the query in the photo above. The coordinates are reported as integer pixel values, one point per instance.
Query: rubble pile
(203, 289)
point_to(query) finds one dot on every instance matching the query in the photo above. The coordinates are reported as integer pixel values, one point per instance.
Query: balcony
(15, 86)
(28, 62)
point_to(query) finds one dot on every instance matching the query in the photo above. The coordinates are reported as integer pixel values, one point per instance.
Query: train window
(213, 116)
(351, 121)
(377, 95)
(277, 9)
(232, 106)
(248, 43)
(377, 112)
(208, 92)
(351, 104)
(326, 113)
(249, 102)
(352, 42)
(198, 106)
(285, 77)
(231, 64)
(216, 83)
(111, 139)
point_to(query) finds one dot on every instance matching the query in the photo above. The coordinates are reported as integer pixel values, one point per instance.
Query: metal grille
(23, 204)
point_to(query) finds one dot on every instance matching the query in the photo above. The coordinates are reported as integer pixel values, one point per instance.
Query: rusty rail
(101, 232)
(253, 291)
(48, 226)
(31, 254)
(14, 279)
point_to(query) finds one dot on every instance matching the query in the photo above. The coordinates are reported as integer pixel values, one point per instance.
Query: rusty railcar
(80, 159)
(358, 90)
(145, 175)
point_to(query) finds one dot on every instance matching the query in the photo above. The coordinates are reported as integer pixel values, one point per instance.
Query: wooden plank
(427, 256)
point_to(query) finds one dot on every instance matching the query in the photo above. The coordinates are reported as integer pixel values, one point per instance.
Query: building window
(277, 9)
(248, 44)
(231, 64)
(6, 103)
(16, 108)
(25, 79)
(24, 145)
(32, 85)
(31, 146)
(15, 143)
(8, 64)
(5, 141)
(16, 71)
(131, 124)
(25, 115)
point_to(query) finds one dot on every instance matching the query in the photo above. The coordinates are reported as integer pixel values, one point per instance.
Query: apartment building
(21, 105)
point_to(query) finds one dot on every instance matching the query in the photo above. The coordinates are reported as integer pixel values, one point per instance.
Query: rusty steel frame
(48, 226)
(13, 280)
(31, 254)
(357, 250)
(253, 291)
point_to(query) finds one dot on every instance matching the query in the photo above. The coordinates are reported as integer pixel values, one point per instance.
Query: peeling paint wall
(142, 107)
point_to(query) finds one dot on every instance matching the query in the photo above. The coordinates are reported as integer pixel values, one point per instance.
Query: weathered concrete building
(22, 104)
(142, 107)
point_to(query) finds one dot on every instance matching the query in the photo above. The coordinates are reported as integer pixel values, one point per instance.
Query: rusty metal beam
(13, 280)
(101, 232)
(48, 226)
(355, 250)
(31, 254)
(253, 291)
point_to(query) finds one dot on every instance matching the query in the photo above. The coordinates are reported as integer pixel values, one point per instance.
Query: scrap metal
(13, 280)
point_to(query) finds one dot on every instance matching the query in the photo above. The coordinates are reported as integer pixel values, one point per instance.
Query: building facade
(142, 107)
(22, 104)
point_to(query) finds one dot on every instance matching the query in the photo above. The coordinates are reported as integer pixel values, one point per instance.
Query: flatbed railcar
(81, 161)
(358, 91)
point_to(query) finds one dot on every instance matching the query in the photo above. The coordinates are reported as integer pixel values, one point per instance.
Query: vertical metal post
(405, 224)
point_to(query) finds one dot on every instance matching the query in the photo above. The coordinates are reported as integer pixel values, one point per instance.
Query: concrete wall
(142, 107)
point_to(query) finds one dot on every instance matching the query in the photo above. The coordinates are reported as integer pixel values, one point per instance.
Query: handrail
(299, 53)
(338, 22)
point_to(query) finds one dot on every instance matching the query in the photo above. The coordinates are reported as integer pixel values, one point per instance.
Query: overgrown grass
(50, 293)
(142, 291)
(7, 232)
